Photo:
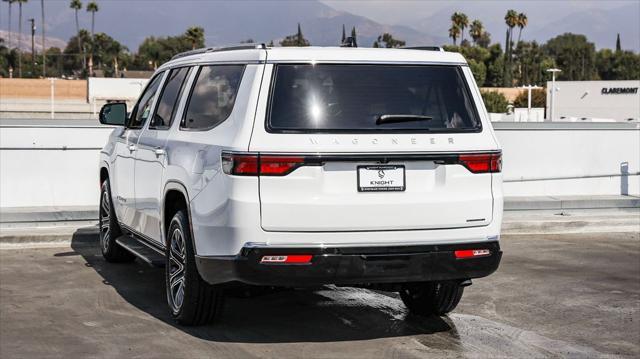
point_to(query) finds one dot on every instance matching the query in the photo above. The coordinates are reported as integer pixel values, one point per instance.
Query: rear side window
(142, 109)
(168, 100)
(370, 98)
(213, 96)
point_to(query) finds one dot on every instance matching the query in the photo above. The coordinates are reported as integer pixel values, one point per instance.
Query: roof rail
(425, 48)
(219, 49)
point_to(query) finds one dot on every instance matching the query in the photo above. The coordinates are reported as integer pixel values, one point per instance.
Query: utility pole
(33, 47)
(19, 39)
(44, 58)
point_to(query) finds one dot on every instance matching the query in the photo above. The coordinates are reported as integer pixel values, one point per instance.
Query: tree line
(520, 63)
(525, 62)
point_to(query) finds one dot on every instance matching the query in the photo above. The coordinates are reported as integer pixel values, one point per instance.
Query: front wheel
(431, 298)
(110, 229)
(192, 301)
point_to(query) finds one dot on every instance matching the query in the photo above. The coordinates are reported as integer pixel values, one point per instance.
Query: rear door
(372, 147)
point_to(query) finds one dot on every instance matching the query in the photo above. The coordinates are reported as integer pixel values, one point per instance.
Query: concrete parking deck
(554, 295)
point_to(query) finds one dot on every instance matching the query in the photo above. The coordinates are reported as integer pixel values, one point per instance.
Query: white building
(595, 100)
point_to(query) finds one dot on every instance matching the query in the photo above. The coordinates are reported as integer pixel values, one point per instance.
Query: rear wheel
(192, 301)
(110, 229)
(431, 298)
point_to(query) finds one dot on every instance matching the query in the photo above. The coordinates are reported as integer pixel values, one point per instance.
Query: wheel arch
(175, 197)
(104, 172)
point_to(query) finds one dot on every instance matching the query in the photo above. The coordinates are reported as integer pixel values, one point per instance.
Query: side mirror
(114, 114)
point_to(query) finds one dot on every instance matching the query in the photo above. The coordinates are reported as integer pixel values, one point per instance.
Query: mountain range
(228, 22)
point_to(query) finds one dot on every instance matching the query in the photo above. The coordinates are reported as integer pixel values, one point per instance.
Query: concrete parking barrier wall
(567, 159)
(45, 165)
(50, 165)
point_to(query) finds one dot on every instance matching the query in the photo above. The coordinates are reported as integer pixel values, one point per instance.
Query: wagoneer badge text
(376, 141)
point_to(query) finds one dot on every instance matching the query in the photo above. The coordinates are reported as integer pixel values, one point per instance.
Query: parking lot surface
(572, 295)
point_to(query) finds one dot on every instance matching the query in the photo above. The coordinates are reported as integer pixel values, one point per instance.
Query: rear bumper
(351, 265)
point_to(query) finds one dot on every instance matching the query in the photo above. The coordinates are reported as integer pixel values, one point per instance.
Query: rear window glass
(213, 96)
(364, 98)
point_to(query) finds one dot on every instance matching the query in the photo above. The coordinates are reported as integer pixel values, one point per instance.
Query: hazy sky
(398, 11)
(425, 21)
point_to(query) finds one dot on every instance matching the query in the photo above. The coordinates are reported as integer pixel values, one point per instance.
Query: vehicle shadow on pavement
(328, 314)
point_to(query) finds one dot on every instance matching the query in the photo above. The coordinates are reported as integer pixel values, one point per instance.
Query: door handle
(132, 148)
(159, 152)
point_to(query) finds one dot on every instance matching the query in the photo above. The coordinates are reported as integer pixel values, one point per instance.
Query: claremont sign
(619, 90)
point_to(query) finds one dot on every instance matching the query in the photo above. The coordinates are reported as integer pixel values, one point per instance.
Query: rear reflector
(259, 165)
(472, 253)
(482, 162)
(292, 258)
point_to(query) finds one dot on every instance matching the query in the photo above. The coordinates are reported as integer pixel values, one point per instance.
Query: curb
(19, 215)
(76, 235)
(49, 214)
(578, 226)
(578, 202)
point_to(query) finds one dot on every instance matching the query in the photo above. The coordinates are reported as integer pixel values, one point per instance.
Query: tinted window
(168, 100)
(360, 98)
(213, 96)
(142, 109)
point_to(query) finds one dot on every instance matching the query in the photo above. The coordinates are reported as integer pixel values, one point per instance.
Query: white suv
(301, 167)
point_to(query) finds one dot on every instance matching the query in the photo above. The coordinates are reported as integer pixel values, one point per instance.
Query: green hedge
(495, 102)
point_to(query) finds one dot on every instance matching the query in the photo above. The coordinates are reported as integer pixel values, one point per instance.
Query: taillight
(240, 164)
(472, 253)
(259, 165)
(482, 162)
(279, 165)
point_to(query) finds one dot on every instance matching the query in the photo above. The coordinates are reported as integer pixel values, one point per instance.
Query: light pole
(553, 93)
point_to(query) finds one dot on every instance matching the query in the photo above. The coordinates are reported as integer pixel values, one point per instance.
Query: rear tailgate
(404, 176)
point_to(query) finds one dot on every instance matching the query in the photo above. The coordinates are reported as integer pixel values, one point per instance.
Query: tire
(110, 229)
(431, 298)
(192, 301)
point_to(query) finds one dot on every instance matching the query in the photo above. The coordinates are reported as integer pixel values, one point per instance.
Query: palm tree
(9, 2)
(522, 22)
(76, 5)
(454, 32)
(20, 2)
(511, 19)
(461, 21)
(92, 7)
(194, 34)
(476, 30)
